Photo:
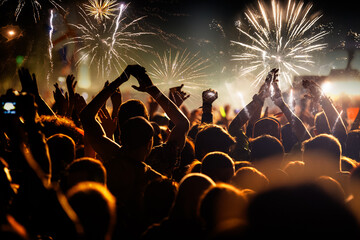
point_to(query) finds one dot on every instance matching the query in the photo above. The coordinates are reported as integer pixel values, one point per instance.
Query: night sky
(188, 24)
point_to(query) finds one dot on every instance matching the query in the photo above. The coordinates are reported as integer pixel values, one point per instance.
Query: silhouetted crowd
(84, 170)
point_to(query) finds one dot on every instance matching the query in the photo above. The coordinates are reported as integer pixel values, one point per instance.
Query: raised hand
(276, 95)
(61, 100)
(315, 91)
(144, 81)
(209, 96)
(177, 95)
(108, 123)
(28, 82)
(116, 100)
(71, 84)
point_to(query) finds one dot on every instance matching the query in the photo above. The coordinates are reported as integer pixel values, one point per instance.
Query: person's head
(322, 154)
(62, 152)
(191, 187)
(250, 178)
(302, 209)
(267, 126)
(57, 124)
(352, 149)
(212, 138)
(295, 170)
(332, 187)
(221, 203)
(347, 164)
(159, 197)
(131, 108)
(84, 170)
(266, 150)
(137, 133)
(219, 166)
(321, 123)
(95, 207)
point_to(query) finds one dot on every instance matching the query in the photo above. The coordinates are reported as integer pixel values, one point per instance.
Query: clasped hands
(139, 73)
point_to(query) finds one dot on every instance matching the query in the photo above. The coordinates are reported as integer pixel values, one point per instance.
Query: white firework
(281, 37)
(101, 9)
(36, 7)
(181, 67)
(108, 46)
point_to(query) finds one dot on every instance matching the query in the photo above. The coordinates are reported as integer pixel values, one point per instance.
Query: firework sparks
(100, 9)
(36, 6)
(181, 67)
(50, 44)
(106, 46)
(279, 36)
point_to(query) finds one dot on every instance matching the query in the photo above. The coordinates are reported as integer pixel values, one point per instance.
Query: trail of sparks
(36, 7)
(181, 67)
(107, 45)
(50, 45)
(278, 36)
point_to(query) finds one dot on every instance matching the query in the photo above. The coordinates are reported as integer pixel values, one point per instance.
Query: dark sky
(189, 19)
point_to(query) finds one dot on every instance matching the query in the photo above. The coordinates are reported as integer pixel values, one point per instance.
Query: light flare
(278, 36)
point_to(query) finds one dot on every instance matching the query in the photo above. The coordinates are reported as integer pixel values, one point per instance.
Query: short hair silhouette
(268, 126)
(221, 203)
(250, 178)
(62, 152)
(324, 144)
(159, 197)
(84, 170)
(136, 132)
(265, 146)
(305, 209)
(95, 207)
(131, 108)
(218, 166)
(212, 138)
(57, 124)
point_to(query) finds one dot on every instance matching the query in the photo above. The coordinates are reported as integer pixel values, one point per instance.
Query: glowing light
(50, 45)
(277, 36)
(326, 87)
(100, 9)
(181, 67)
(117, 41)
(11, 32)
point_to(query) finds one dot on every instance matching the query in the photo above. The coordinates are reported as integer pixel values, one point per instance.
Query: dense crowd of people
(78, 170)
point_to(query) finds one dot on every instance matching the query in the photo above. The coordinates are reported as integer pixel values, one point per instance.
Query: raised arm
(29, 85)
(336, 123)
(182, 125)
(251, 108)
(93, 129)
(208, 97)
(296, 124)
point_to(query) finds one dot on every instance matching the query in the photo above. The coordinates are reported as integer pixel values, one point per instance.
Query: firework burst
(181, 67)
(279, 36)
(35, 4)
(101, 10)
(108, 47)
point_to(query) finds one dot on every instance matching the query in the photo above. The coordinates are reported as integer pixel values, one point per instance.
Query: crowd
(76, 170)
